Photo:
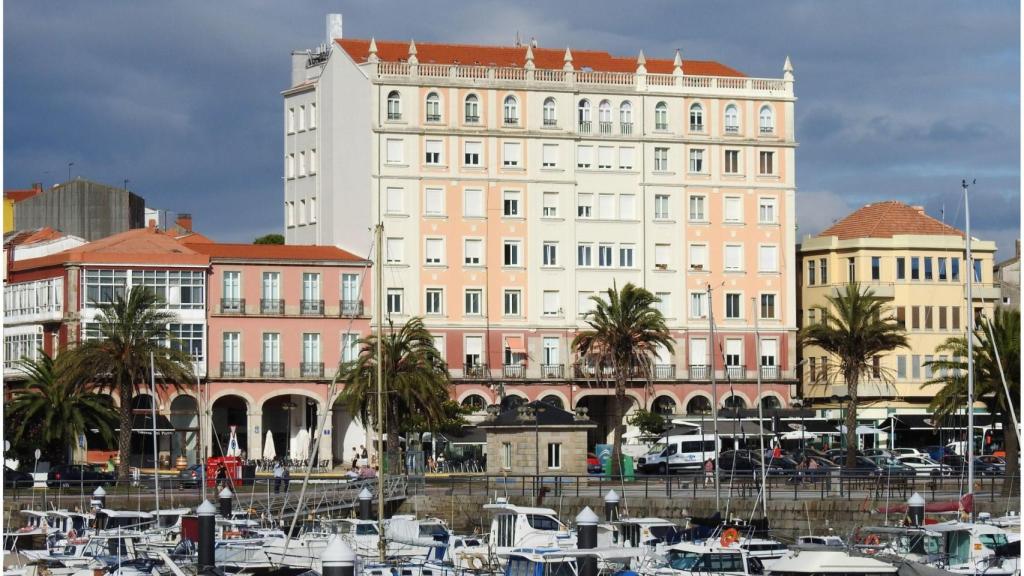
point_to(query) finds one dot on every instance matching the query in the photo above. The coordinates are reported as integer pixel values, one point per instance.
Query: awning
(729, 428)
(861, 430)
(143, 424)
(933, 423)
(816, 426)
(467, 435)
(515, 344)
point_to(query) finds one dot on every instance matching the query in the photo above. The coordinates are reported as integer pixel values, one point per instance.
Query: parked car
(862, 467)
(878, 452)
(191, 477)
(937, 452)
(68, 475)
(989, 465)
(839, 454)
(925, 466)
(593, 464)
(893, 467)
(17, 479)
(906, 452)
(742, 463)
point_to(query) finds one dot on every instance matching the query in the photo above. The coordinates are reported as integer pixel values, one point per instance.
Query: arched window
(770, 403)
(476, 402)
(394, 105)
(696, 118)
(584, 115)
(735, 402)
(661, 116)
(604, 112)
(433, 107)
(512, 402)
(767, 119)
(732, 119)
(554, 401)
(663, 405)
(626, 117)
(472, 108)
(549, 112)
(698, 405)
(511, 110)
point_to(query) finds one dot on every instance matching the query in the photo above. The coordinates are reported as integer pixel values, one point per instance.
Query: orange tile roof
(888, 219)
(19, 195)
(543, 58)
(146, 246)
(274, 252)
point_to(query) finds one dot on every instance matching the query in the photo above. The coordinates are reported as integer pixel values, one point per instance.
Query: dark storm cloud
(896, 99)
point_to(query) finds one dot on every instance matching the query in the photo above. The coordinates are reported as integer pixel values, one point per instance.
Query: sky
(896, 100)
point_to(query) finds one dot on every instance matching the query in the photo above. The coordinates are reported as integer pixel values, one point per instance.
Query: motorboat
(699, 559)
(821, 560)
(408, 536)
(564, 562)
(827, 541)
(973, 548)
(514, 527)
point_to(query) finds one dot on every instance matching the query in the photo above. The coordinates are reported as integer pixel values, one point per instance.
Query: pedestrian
(278, 476)
(110, 463)
(355, 457)
(812, 467)
(286, 477)
(777, 452)
(362, 451)
(222, 475)
(800, 467)
(709, 471)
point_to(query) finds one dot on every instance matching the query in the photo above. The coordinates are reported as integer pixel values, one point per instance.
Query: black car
(17, 479)
(69, 475)
(983, 465)
(191, 477)
(862, 467)
(742, 463)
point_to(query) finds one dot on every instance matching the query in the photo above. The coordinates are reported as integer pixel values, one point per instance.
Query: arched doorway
(291, 420)
(770, 402)
(511, 402)
(554, 400)
(698, 406)
(664, 405)
(599, 410)
(735, 402)
(229, 411)
(185, 419)
(475, 402)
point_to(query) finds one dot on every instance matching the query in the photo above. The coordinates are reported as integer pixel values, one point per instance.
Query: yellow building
(919, 265)
(11, 198)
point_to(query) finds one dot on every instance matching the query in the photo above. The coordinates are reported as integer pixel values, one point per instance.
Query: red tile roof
(543, 58)
(888, 219)
(19, 195)
(145, 246)
(273, 252)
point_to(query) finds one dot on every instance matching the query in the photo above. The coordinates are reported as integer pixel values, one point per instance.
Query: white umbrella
(799, 434)
(233, 448)
(269, 452)
(301, 445)
(861, 430)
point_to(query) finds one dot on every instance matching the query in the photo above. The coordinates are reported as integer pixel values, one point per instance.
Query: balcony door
(769, 352)
(272, 347)
(232, 347)
(350, 287)
(271, 285)
(232, 286)
(310, 286)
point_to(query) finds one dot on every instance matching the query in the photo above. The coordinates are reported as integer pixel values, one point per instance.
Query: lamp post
(841, 401)
(798, 403)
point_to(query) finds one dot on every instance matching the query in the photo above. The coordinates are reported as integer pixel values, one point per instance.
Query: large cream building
(918, 264)
(514, 182)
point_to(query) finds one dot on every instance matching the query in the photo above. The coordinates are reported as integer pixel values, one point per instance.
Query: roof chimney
(919, 208)
(37, 186)
(184, 221)
(333, 27)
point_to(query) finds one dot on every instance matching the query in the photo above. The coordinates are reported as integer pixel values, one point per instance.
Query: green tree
(128, 330)
(951, 375)
(649, 423)
(416, 381)
(857, 327)
(269, 239)
(625, 333)
(55, 404)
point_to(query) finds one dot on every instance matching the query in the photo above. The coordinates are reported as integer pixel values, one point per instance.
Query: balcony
(232, 369)
(700, 372)
(625, 128)
(271, 306)
(232, 305)
(551, 371)
(879, 289)
(770, 372)
(662, 126)
(272, 369)
(696, 127)
(584, 127)
(735, 371)
(511, 121)
(732, 129)
(349, 308)
(605, 127)
(664, 371)
(433, 117)
(513, 371)
(311, 307)
(472, 119)
(311, 369)
(478, 371)
(394, 115)
(985, 292)
(550, 122)
(765, 130)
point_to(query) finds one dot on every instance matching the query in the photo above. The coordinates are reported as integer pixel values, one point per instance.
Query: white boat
(809, 562)
(828, 541)
(515, 527)
(562, 562)
(701, 559)
(972, 548)
(408, 536)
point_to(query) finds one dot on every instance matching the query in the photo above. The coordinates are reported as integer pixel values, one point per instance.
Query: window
(350, 288)
(901, 317)
(876, 267)
(943, 276)
(271, 347)
(697, 212)
(584, 302)
(766, 211)
(954, 317)
(604, 115)
(915, 366)
(605, 155)
(661, 159)
(954, 269)
(433, 202)
(915, 268)
(473, 298)
(433, 148)
(550, 205)
(178, 289)
(733, 306)
(928, 324)
(662, 256)
(626, 114)
(550, 250)
(810, 272)
(823, 265)
(733, 353)
(312, 161)
(512, 253)
(395, 151)
(271, 286)
(511, 110)
(768, 306)
(289, 165)
(554, 455)
(977, 270)
(291, 120)
(901, 367)
(851, 269)
(302, 212)
(663, 304)
(584, 156)
(310, 286)
(583, 205)
(510, 203)
(915, 317)
(767, 164)
(551, 304)
(942, 318)
(289, 209)
(604, 255)
(232, 282)
(768, 259)
(473, 203)
(394, 300)
(510, 158)
(661, 207)
(767, 120)
(349, 347)
(732, 161)
(661, 116)
(583, 255)
(626, 256)
(733, 209)
(550, 118)
(104, 286)
(395, 250)
(733, 257)
(696, 160)
(474, 250)
(606, 206)
(472, 109)
(312, 116)
(433, 107)
(732, 119)
(434, 298)
(394, 106)
(394, 200)
(928, 269)
(302, 164)
(232, 347)
(583, 111)
(696, 118)
(506, 455)
(474, 351)
(811, 317)
(901, 268)
(471, 156)
(550, 348)
(311, 348)
(188, 338)
(698, 256)
(549, 155)
(302, 118)
(698, 305)
(626, 155)
(434, 251)
(512, 300)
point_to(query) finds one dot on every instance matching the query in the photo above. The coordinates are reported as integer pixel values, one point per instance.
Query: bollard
(225, 502)
(586, 539)
(206, 513)
(611, 506)
(100, 495)
(338, 559)
(915, 509)
(365, 505)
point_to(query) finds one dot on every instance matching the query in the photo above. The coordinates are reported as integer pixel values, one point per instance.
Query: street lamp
(841, 401)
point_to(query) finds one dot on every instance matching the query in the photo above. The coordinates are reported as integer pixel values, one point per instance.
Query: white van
(672, 454)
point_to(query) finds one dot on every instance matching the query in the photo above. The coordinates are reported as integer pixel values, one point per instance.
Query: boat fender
(729, 536)
(872, 540)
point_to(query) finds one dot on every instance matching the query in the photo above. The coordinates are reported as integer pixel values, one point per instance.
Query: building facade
(918, 264)
(1007, 277)
(82, 208)
(514, 183)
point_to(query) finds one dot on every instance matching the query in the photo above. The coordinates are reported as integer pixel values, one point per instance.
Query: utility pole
(714, 394)
(970, 347)
(379, 305)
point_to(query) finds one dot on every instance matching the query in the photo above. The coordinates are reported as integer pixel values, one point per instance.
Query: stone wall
(525, 450)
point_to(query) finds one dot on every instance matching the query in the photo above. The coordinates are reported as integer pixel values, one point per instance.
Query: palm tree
(950, 372)
(856, 328)
(626, 331)
(55, 405)
(416, 381)
(128, 330)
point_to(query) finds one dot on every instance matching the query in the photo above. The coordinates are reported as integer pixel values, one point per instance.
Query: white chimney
(333, 27)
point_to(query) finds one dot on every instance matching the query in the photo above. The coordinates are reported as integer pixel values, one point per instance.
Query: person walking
(355, 457)
(287, 477)
(709, 472)
(222, 476)
(278, 475)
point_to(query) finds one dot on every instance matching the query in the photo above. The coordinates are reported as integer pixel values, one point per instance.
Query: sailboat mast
(156, 459)
(760, 409)
(970, 347)
(378, 303)
(714, 394)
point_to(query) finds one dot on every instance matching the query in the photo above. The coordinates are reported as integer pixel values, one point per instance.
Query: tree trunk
(124, 435)
(1011, 482)
(851, 420)
(620, 400)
